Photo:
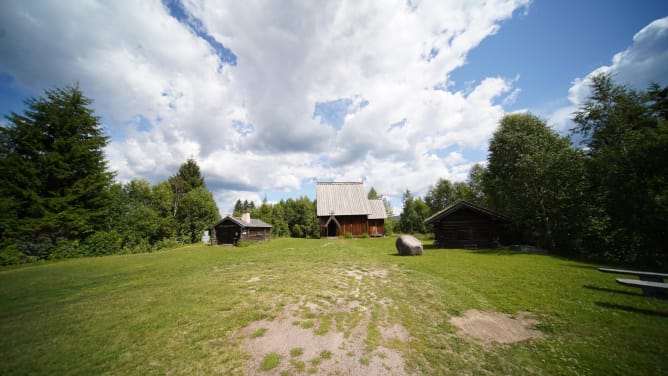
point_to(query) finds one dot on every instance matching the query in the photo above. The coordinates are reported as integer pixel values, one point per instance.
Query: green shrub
(142, 247)
(11, 256)
(102, 243)
(297, 231)
(166, 243)
(364, 235)
(39, 246)
(348, 235)
(64, 249)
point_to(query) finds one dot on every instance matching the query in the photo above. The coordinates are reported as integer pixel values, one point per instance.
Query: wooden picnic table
(651, 283)
(644, 276)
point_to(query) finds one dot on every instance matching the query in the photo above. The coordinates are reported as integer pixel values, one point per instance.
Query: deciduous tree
(440, 195)
(626, 134)
(537, 178)
(198, 212)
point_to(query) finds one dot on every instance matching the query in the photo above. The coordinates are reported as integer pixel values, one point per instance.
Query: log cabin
(466, 225)
(230, 230)
(342, 207)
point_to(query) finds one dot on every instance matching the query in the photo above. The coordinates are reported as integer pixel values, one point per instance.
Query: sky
(269, 97)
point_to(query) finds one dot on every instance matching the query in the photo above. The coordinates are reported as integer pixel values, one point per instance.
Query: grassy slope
(176, 311)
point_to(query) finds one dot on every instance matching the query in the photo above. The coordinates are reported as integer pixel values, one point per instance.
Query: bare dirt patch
(330, 336)
(496, 327)
(395, 331)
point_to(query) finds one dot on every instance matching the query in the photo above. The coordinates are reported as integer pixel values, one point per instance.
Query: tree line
(605, 199)
(58, 198)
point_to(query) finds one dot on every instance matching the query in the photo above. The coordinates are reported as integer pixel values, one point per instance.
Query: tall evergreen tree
(54, 172)
(191, 175)
(372, 194)
(279, 222)
(194, 207)
(188, 178)
(414, 212)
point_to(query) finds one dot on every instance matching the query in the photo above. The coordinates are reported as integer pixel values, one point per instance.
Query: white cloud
(251, 126)
(643, 62)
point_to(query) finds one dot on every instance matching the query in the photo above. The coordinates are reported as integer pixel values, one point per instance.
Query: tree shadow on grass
(616, 291)
(624, 308)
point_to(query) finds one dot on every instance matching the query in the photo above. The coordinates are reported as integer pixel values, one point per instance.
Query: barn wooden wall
(465, 228)
(355, 224)
(257, 234)
(376, 227)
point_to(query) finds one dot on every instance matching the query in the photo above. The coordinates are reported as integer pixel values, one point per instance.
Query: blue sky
(269, 96)
(555, 42)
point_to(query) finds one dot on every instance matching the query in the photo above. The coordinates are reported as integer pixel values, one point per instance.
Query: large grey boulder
(408, 245)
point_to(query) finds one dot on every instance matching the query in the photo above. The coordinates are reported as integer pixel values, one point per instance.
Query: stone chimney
(245, 216)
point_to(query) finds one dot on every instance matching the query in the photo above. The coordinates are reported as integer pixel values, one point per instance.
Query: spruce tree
(54, 171)
(191, 175)
(188, 178)
(372, 195)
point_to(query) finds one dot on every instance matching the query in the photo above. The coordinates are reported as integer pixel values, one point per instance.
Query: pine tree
(191, 175)
(54, 172)
(188, 178)
(194, 207)
(372, 195)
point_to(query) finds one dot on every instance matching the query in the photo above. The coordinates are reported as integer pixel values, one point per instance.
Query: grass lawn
(183, 311)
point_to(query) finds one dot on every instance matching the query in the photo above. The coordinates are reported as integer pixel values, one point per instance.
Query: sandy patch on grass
(395, 331)
(330, 335)
(496, 327)
(347, 355)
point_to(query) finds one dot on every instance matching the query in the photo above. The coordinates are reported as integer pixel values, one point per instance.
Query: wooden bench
(656, 289)
(644, 276)
(651, 283)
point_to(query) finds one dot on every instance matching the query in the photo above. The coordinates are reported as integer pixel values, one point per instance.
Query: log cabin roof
(254, 223)
(377, 209)
(461, 204)
(341, 198)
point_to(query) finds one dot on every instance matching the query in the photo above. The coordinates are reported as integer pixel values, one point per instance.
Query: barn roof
(341, 198)
(461, 204)
(254, 223)
(377, 209)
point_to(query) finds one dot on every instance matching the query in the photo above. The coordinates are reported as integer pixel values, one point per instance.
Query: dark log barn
(465, 225)
(342, 207)
(230, 230)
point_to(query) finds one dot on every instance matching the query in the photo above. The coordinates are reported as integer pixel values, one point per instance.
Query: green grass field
(182, 311)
